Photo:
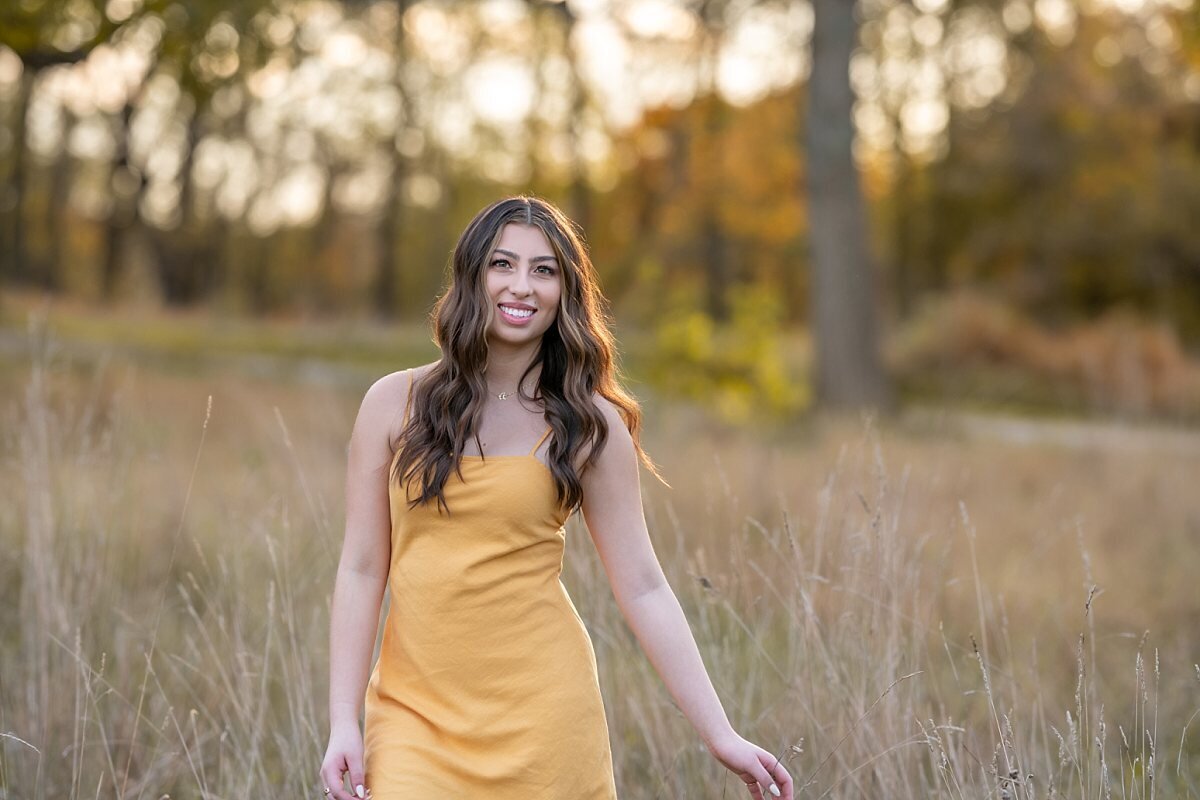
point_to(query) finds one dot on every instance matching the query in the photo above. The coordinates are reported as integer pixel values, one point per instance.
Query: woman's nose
(520, 282)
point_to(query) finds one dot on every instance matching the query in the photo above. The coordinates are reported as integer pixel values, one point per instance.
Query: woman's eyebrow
(535, 259)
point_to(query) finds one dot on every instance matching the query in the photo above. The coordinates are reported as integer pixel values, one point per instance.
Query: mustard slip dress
(486, 683)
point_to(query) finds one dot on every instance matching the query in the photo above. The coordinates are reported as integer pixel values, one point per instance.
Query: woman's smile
(515, 314)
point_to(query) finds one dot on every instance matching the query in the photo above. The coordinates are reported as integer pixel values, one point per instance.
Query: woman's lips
(513, 319)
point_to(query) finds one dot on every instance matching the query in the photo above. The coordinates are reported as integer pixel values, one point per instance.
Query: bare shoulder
(383, 405)
(393, 387)
(613, 469)
(422, 370)
(609, 409)
(618, 433)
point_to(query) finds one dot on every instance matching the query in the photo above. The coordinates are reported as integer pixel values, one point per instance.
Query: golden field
(921, 606)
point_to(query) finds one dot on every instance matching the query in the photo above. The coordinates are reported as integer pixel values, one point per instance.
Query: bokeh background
(910, 291)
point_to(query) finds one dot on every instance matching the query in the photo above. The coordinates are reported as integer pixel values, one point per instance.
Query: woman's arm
(612, 509)
(361, 579)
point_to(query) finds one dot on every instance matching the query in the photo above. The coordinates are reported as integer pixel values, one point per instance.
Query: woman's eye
(499, 261)
(549, 270)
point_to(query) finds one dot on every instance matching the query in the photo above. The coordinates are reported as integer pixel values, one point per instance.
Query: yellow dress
(486, 683)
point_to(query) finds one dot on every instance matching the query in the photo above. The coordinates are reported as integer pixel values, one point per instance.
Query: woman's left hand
(761, 772)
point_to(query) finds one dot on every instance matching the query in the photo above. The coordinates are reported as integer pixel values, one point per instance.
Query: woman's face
(524, 282)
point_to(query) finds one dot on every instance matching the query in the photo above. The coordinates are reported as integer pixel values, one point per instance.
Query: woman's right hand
(344, 755)
(757, 768)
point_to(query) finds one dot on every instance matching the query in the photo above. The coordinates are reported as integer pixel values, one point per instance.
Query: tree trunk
(443, 223)
(58, 213)
(383, 289)
(578, 192)
(391, 221)
(718, 267)
(185, 256)
(124, 211)
(718, 271)
(843, 310)
(904, 199)
(14, 257)
(581, 202)
(581, 196)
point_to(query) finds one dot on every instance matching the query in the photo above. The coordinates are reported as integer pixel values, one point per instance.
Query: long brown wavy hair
(577, 356)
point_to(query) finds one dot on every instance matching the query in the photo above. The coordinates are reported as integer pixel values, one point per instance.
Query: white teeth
(518, 312)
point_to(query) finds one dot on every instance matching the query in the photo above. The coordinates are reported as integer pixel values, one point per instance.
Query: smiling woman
(524, 283)
(461, 477)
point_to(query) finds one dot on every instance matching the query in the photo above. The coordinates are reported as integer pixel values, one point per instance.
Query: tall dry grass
(895, 613)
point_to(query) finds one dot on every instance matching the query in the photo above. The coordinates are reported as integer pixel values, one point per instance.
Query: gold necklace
(503, 395)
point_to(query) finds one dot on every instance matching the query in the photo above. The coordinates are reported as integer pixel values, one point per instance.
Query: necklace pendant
(502, 395)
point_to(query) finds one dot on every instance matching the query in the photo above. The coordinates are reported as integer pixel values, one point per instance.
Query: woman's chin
(513, 338)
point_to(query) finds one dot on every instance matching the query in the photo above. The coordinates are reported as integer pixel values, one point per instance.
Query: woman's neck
(505, 368)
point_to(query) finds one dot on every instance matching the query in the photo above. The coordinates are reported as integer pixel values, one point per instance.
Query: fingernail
(774, 790)
(358, 790)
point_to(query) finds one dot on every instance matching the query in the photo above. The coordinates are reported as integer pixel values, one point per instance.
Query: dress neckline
(503, 455)
(474, 457)
(525, 456)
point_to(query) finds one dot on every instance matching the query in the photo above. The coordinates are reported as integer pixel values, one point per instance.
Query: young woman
(462, 474)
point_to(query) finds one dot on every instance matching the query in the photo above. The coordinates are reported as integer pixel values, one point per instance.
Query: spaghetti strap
(408, 402)
(539, 441)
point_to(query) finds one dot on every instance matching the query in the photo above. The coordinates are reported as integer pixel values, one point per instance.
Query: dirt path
(1112, 434)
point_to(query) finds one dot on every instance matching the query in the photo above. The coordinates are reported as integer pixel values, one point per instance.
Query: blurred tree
(393, 215)
(43, 34)
(721, 265)
(1055, 163)
(747, 175)
(1070, 196)
(206, 44)
(578, 191)
(844, 312)
(902, 39)
(198, 44)
(127, 188)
